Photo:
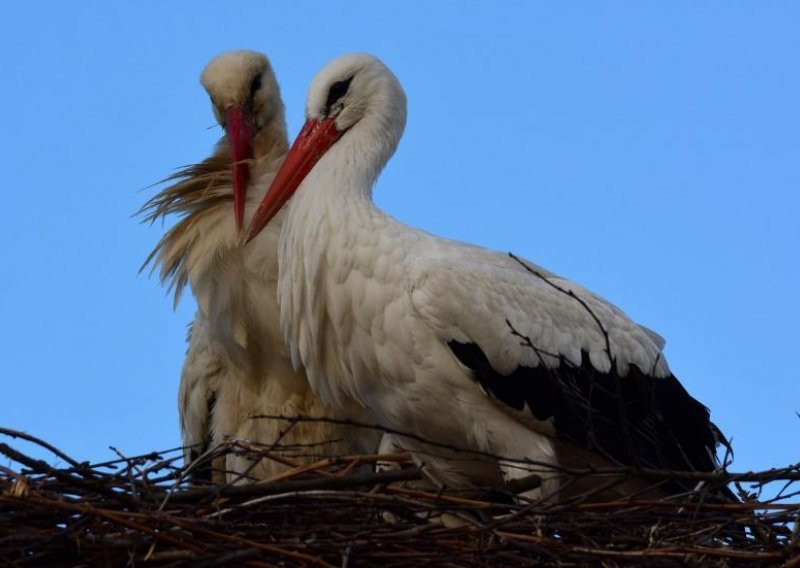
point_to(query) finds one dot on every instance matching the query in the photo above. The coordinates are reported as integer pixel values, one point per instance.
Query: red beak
(314, 140)
(241, 129)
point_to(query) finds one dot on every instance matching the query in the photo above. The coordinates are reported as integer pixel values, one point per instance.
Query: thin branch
(577, 298)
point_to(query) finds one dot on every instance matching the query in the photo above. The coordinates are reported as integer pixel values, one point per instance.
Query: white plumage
(451, 342)
(237, 364)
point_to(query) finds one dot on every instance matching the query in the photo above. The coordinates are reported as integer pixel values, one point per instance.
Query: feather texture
(459, 345)
(237, 366)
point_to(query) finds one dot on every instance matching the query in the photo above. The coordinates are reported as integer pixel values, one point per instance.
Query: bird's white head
(353, 86)
(354, 96)
(245, 97)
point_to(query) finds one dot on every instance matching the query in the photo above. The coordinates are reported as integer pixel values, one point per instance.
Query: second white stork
(452, 343)
(237, 366)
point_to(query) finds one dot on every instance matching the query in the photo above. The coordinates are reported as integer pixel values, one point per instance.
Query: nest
(338, 512)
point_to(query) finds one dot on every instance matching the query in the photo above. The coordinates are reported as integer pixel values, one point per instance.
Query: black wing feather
(202, 472)
(636, 421)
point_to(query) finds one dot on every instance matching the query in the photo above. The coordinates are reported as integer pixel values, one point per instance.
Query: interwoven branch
(338, 512)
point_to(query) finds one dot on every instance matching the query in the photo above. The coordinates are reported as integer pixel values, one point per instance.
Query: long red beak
(241, 129)
(314, 140)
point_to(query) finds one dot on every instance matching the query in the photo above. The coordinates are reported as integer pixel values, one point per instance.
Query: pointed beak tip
(315, 138)
(240, 130)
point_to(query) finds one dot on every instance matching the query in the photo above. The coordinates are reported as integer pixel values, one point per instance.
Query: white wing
(548, 351)
(485, 297)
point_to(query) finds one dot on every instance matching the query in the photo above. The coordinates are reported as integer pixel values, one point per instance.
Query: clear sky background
(650, 151)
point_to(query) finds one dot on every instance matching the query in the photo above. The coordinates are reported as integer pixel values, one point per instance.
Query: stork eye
(255, 85)
(337, 91)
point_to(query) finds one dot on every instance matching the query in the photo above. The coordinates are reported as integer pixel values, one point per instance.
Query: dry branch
(139, 511)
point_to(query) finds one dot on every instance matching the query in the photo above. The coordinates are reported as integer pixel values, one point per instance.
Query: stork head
(246, 98)
(354, 97)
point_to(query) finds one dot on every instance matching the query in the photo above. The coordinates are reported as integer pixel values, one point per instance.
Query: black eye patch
(255, 85)
(336, 92)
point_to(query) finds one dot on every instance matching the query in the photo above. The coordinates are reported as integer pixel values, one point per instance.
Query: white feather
(237, 355)
(369, 304)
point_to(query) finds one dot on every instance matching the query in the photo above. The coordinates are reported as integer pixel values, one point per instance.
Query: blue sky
(646, 150)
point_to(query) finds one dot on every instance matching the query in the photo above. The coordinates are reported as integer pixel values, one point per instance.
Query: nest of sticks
(140, 510)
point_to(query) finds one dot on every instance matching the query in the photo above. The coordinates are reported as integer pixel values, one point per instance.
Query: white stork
(453, 343)
(237, 364)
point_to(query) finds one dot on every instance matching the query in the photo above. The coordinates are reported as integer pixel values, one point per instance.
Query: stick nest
(336, 512)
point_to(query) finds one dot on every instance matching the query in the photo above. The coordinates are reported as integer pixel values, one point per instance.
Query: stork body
(237, 365)
(453, 343)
